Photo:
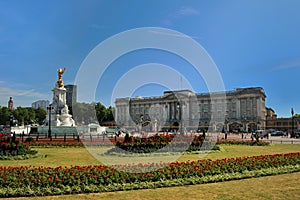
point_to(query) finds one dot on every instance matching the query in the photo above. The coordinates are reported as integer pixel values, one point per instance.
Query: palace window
(243, 104)
(233, 105)
(233, 114)
(249, 103)
(254, 103)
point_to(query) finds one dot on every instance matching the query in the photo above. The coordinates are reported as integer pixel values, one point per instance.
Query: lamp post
(226, 121)
(11, 123)
(141, 121)
(11, 120)
(224, 129)
(49, 108)
(245, 124)
(292, 112)
(179, 108)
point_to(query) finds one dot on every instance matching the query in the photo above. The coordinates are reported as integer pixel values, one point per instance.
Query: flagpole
(292, 112)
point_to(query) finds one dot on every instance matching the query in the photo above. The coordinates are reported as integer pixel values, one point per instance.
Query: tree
(31, 115)
(296, 115)
(109, 114)
(104, 114)
(22, 115)
(4, 115)
(84, 113)
(40, 115)
(101, 112)
(96, 112)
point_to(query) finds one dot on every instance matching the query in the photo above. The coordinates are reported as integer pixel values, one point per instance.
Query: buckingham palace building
(242, 109)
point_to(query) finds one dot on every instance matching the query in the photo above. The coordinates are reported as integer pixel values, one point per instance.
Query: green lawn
(239, 151)
(81, 156)
(275, 187)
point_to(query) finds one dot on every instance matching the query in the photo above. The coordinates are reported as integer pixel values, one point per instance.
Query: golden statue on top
(60, 82)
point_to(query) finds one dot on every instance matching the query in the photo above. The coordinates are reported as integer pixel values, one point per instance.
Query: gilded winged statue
(60, 72)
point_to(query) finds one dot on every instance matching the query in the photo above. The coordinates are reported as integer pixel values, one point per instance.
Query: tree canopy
(83, 113)
(296, 115)
(22, 115)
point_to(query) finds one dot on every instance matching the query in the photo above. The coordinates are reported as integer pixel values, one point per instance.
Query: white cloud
(173, 35)
(188, 11)
(22, 97)
(179, 13)
(287, 65)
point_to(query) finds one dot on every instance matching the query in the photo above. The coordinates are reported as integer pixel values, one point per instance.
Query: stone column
(238, 109)
(171, 111)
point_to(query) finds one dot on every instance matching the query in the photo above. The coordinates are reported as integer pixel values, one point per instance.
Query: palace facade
(242, 109)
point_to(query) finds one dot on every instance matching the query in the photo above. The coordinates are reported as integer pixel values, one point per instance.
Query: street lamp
(245, 124)
(140, 122)
(226, 121)
(292, 112)
(11, 120)
(179, 108)
(49, 108)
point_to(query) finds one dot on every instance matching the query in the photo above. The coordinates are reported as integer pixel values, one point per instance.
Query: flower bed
(66, 179)
(76, 189)
(165, 143)
(162, 143)
(11, 148)
(46, 144)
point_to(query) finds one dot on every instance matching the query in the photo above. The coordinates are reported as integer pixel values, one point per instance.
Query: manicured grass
(81, 156)
(57, 157)
(241, 150)
(273, 187)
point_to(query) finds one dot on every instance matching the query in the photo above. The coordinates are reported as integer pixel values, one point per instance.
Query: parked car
(277, 133)
(262, 133)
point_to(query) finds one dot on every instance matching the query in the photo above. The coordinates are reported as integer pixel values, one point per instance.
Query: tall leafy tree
(4, 115)
(83, 113)
(296, 115)
(101, 112)
(109, 114)
(95, 112)
(22, 115)
(40, 116)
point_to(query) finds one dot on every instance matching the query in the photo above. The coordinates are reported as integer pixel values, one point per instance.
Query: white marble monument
(60, 112)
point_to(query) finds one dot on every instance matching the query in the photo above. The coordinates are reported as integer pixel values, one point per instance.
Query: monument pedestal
(60, 113)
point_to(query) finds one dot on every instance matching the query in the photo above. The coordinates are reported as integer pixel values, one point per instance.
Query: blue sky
(253, 43)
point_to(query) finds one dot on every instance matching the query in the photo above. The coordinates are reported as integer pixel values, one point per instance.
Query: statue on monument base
(60, 82)
(60, 114)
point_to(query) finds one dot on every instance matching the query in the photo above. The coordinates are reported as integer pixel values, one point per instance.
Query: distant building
(10, 103)
(281, 123)
(270, 114)
(40, 104)
(242, 109)
(71, 95)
